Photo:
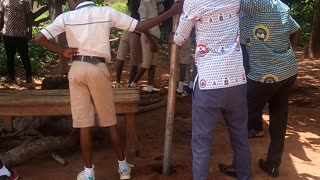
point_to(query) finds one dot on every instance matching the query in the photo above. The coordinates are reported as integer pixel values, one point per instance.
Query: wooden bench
(57, 102)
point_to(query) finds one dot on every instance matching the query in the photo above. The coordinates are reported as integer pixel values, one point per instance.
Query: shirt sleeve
(122, 21)
(57, 27)
(294, 26)
(27, 6)
(249, 6)
(186, 23)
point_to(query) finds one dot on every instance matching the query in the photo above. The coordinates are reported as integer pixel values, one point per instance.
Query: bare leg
(141, 71)
(133, 73)
(151, 73)
(86, 146)
(119, 69)
(183, 71)
(116, 142)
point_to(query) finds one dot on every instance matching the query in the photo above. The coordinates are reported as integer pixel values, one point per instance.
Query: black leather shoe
(272, 171)
(228, 170)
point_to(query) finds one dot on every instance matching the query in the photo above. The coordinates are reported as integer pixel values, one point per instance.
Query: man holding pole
(220, 90)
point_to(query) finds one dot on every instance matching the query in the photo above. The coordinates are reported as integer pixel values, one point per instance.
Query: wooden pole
(171, 104)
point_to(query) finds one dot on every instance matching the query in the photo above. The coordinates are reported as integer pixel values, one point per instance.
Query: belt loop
(82, 58)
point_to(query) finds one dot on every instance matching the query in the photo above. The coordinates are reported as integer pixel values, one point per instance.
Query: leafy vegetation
(303, 12)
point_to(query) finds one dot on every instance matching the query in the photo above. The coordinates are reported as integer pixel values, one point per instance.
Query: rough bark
(145, 102)
(313, 50)
(30, 150)
(151, 107)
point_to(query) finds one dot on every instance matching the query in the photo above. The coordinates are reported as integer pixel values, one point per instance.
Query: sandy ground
(301, 158)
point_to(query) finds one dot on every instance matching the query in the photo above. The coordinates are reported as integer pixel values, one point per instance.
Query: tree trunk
(33, 149)
(55, 9)
(313, 50)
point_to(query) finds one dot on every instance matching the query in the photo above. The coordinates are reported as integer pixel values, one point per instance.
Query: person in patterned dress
(16, 26)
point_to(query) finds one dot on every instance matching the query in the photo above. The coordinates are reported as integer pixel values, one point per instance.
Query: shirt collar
(85, 4)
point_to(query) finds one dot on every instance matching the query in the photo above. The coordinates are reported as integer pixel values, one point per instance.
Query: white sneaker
(82, 176)
(118, 85)
(182, 92)
(133, 84)
(126, 173)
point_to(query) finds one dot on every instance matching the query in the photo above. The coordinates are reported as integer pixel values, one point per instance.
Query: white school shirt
(88, 28)
(149, 9)
(218, 53)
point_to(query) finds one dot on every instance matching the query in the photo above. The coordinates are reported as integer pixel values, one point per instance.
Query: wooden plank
(36, 110)
(56, 110)
(56, 97)
(61, 92)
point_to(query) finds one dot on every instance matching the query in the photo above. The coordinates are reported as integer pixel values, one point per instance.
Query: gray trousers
(208, 107)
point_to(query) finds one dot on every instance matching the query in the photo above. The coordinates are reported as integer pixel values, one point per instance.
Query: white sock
(133, 84)
(4, 172)
(88, 172)
(181, 84)
(191, 85)
(150, 88)
(123, 165)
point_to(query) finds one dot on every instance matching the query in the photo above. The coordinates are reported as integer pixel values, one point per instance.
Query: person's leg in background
(151, 75)
(135, 55)
(192, 81)
(123, 50)
(24, 54)
(10, 46)
(182, 77)
(149, 61)
(119, 69)
(278, 107)
(184, 53)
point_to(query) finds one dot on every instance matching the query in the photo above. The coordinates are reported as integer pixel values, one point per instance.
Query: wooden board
(57, 102)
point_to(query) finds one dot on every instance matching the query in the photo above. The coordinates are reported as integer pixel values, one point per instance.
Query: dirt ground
(301, 158)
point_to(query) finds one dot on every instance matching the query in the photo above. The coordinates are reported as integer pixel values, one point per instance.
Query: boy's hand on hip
(70, 52)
